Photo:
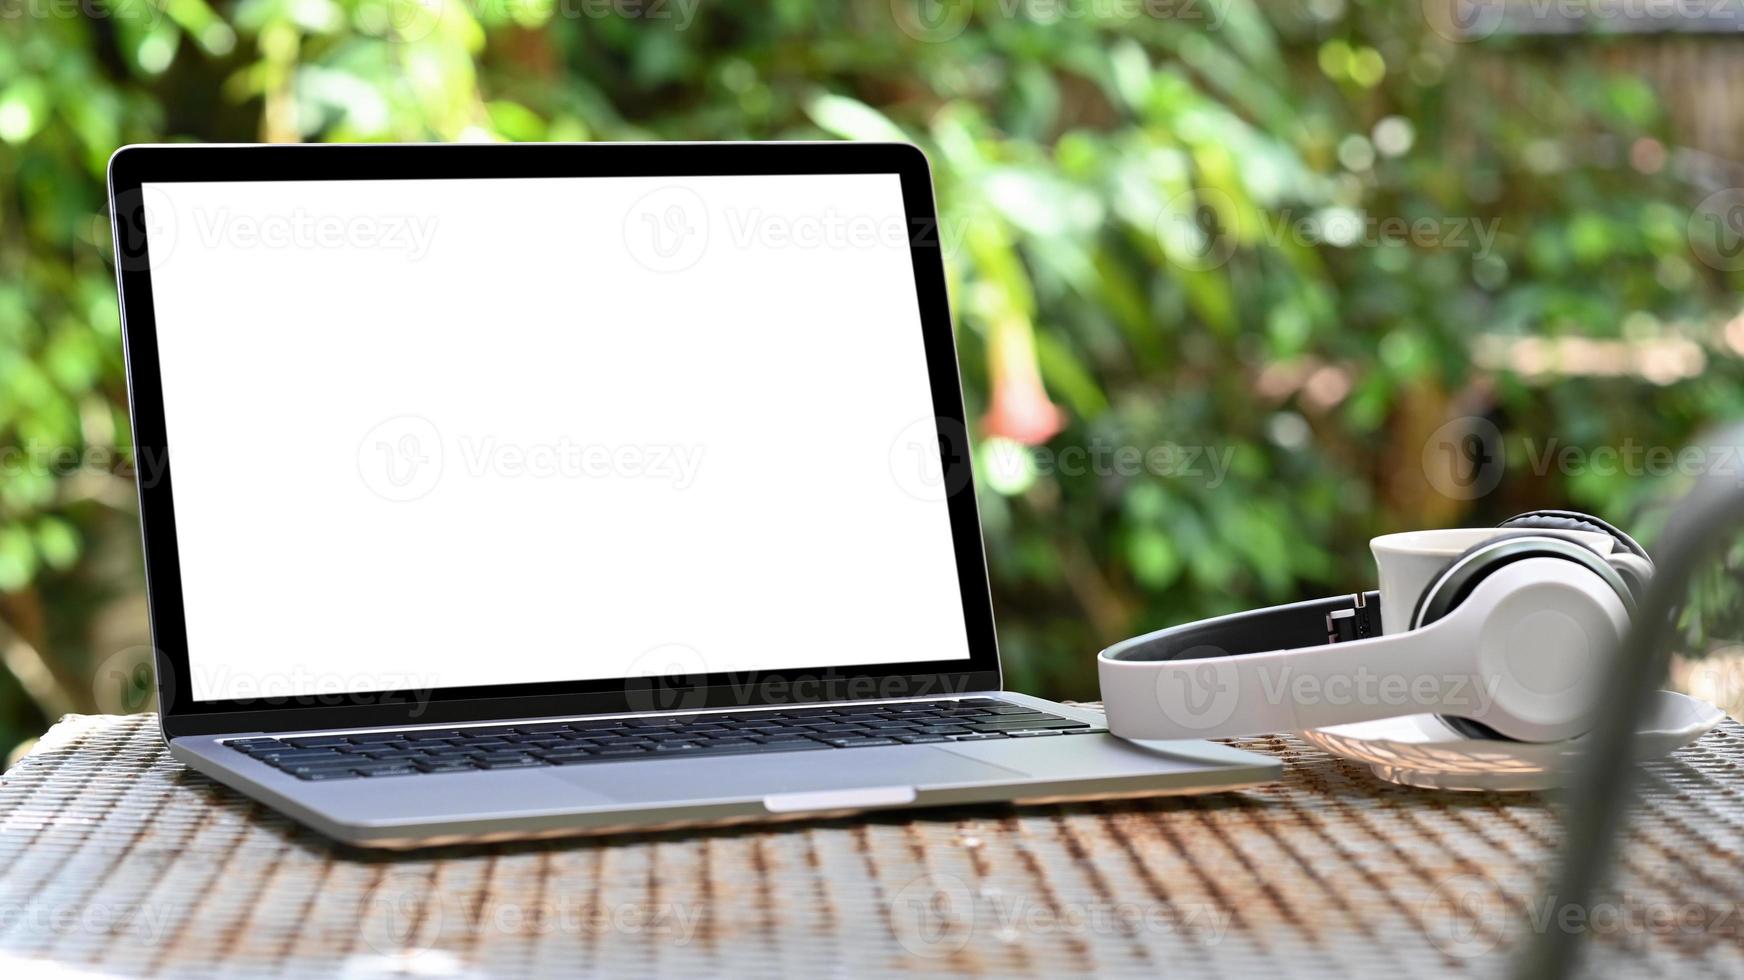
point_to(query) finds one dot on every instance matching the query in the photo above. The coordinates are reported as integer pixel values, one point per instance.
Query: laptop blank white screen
(440, 433)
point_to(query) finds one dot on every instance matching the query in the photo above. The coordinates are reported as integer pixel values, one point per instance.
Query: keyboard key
(523, 762)
(317, 775)
(1013, 726)
(577, 760)
(1035, 733)
(751, 748)
(920, 739)
(300, 755)
(444, 765)
(558, 757)
(976, 738)
(1085, 731)
(854, 743)
(318, 741)
(297, 770)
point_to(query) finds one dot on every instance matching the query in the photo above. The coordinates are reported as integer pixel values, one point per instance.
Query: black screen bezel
(133, 166)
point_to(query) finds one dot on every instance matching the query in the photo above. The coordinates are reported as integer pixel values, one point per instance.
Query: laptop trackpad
(784, 776)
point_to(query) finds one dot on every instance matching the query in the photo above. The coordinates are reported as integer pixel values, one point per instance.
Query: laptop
(515, 491)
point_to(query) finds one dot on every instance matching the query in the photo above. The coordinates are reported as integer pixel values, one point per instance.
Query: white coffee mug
(1409, 561)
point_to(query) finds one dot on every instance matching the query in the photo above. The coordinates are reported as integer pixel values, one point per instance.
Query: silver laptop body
(537, 490)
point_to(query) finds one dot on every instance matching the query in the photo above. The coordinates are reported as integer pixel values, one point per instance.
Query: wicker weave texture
(114, 859)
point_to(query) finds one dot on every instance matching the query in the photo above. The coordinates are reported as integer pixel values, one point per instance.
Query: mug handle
(1636, 570)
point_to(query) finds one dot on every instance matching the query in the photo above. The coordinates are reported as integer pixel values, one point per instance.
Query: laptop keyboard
(589, 742)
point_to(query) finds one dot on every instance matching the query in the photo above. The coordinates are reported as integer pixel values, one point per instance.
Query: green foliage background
(1085, 155)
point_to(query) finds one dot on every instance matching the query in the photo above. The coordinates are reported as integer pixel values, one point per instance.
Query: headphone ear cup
(1459, 577)
(1569, 520)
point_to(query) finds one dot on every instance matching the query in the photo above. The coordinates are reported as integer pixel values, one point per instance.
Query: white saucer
(1420, 750)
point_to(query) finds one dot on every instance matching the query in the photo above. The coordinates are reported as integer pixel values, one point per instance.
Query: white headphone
(1509, 640)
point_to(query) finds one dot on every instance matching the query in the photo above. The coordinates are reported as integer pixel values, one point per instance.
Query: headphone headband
(1298, 624)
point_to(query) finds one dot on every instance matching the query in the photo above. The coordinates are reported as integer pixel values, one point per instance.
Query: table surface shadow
(115, 860)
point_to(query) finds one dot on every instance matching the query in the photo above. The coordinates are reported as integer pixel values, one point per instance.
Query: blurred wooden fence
(1690, 51)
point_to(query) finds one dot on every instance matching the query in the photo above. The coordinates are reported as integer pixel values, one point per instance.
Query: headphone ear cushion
(1570, 520)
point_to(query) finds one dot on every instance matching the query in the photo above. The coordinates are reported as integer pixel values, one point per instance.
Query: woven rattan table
(114, 859)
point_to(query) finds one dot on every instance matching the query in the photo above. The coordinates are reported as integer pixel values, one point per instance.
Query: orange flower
(1019, 408)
